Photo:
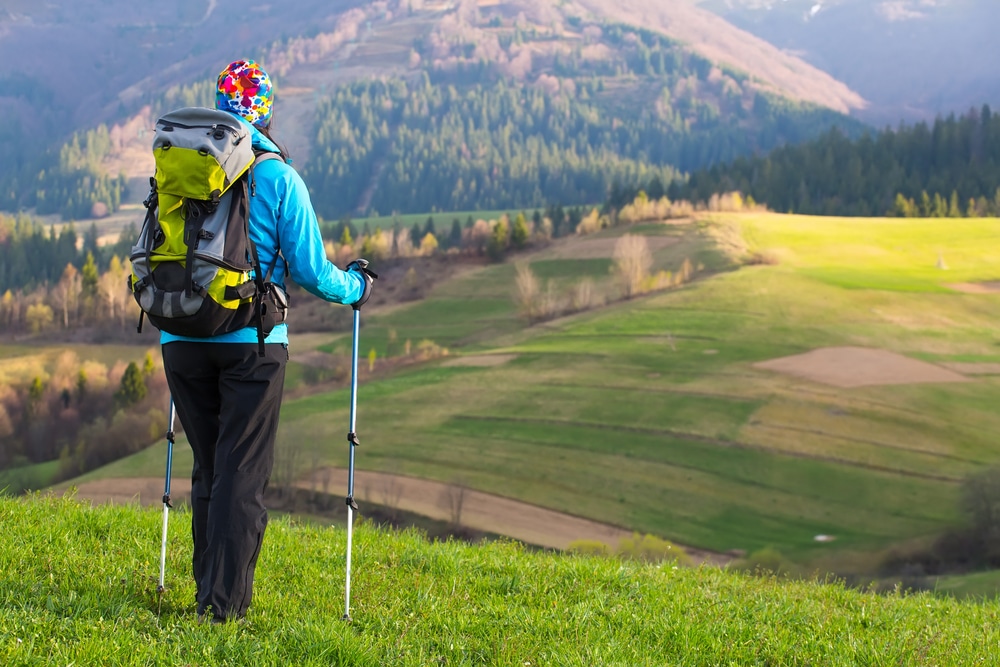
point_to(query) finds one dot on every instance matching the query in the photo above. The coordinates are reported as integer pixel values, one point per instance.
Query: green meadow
(78, 587)
(651, 414)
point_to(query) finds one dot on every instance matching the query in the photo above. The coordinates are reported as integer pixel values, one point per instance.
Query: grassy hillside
(652, 415)
(78, 586)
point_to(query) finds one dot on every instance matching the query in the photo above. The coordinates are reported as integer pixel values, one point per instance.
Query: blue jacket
(282, 218)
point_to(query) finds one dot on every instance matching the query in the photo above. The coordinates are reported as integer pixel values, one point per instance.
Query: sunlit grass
(78, 586)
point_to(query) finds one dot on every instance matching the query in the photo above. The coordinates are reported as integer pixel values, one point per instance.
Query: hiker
(228, 387)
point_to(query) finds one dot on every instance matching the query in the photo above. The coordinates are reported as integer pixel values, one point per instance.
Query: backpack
(195, 270)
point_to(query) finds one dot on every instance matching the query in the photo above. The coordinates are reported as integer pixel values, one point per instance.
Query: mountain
(910, 59)
(658, 85)
(90, 56)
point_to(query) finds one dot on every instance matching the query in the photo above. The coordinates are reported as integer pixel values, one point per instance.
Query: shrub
(651, 549)
(589, 548)
(766, 561)
(762, 257)
(593, 222)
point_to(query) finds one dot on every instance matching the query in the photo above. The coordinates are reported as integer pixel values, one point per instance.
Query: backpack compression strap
(151, 203)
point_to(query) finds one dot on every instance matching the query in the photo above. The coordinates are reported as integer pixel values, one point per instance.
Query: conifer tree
(89, 281)
(519, 233)
(132, 388)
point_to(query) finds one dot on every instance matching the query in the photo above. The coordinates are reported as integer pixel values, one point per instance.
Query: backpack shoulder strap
(260, 278)
(261, 156)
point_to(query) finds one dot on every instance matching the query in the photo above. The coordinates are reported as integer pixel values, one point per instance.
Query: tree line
(949, 168)
(32, 254)
(437, 234)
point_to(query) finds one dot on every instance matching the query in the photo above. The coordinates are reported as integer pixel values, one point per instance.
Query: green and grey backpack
(195, 270)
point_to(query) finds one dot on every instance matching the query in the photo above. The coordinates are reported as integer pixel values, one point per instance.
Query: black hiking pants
(227, 398)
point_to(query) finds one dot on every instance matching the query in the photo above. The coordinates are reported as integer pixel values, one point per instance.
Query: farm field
(664, 414)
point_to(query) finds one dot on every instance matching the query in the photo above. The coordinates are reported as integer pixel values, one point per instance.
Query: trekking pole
(166, 495)
(352, 436)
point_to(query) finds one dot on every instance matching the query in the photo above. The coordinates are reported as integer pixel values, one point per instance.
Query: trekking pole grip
(368, 276)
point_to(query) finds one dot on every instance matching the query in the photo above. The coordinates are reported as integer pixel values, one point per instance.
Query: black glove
(369, 276)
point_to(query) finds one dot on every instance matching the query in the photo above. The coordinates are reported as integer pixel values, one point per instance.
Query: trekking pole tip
(347, 618)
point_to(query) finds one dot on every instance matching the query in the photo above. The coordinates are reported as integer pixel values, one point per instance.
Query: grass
(975, 586)
(419, 603)
(651, 415)
(32, 476)
(927, 252)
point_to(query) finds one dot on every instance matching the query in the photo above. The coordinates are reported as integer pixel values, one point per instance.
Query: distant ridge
(719, 41)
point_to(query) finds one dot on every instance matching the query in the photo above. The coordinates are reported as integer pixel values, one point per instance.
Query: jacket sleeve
(302, 246)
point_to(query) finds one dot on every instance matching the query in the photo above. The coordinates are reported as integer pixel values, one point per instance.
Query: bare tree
(392, 494)
(315, 475)
(632, 263)
(528, 292)
(66, 295)
(453, 498)
(325, 476)
(286, 460)
(584, 295)
(113, 290)
(980, 498)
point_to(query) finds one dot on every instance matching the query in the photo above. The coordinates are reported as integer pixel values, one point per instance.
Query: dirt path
(481, 511)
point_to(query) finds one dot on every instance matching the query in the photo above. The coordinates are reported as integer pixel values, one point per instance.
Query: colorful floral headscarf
(245, 89)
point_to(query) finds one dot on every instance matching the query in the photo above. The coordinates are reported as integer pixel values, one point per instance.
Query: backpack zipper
(216, 126)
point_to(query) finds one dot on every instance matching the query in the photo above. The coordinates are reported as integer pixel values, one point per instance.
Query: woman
(227, 394)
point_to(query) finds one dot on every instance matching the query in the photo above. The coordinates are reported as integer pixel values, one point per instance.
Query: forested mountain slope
(606, 91)
(946, 169)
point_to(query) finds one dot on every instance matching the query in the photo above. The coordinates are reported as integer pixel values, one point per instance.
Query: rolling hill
(840, 384)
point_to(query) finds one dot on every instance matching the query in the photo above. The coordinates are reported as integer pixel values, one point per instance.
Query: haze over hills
(911, 59)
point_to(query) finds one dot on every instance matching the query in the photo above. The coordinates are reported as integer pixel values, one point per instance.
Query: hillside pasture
(653, 414)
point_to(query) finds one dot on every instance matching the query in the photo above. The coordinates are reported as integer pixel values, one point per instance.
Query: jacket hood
(260, 142)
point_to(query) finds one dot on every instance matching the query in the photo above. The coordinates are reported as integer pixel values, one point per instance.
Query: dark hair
(266, 131)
